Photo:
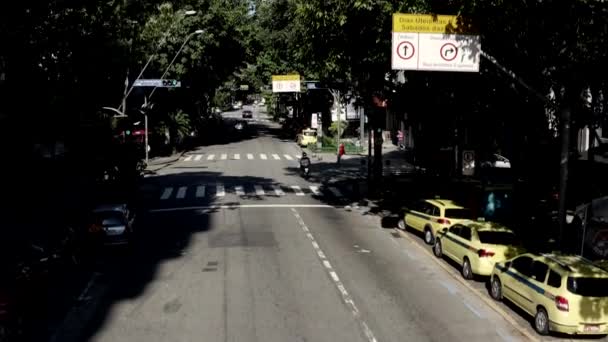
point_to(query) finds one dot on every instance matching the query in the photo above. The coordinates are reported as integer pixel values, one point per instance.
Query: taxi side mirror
(444, 230)
(508, 265)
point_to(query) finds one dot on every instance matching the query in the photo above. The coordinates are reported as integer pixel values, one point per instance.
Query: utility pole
(361, 127)
(339, 112)
(563, 171)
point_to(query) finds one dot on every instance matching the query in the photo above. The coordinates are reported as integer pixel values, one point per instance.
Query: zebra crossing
(220, 190)
(237, 156)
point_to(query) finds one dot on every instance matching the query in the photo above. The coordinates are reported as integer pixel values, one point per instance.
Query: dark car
(112, 224)
(247, 114)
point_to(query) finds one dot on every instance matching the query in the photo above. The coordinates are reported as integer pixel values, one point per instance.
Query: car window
(523, 265)
(465, 233)
(109, 218)
(436, 211)
(555, 280)
(455, 229)
(589, 287)
(458, 213)
(420, 206)
(497, 238)
(539, 271)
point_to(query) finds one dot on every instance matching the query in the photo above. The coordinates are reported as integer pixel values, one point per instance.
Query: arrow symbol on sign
(405, 50)
(450, 51)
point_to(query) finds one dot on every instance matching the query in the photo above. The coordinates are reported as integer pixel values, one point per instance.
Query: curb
(486, 300)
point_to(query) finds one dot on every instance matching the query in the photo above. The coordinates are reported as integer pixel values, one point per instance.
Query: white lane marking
(346, 298)
(287, 156)
(188, 158)
(243, 206)
(505, 336)
(297, 190)
(239, 190)
(277, 190)
(263, 156)
(473, 310)
(224, 156)
(237, 156)
(166, 193)
(220, 191)
(335, 191)
(249, 156)
(198, 157)
(87, 288)
(276, 157)
(451, 289)
(297, 157)
(211, 157)
(200, 191)
(181, 192)
(259, 190)
(315, 190)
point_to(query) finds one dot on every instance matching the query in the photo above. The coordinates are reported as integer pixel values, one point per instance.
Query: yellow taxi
(477, 246)
(566, 294)
(307, 137)
(430, 216)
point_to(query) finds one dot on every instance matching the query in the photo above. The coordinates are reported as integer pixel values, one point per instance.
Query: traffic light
(171, 83)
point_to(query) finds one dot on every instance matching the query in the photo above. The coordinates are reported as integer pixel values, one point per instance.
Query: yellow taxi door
(517, 282)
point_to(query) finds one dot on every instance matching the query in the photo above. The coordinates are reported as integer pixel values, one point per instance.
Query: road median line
(486, 300)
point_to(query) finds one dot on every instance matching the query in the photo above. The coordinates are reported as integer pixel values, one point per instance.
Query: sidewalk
(354, 166)
(158, 163)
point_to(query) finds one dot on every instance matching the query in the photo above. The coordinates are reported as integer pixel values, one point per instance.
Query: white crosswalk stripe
(259, 190)
(276, 157)
(335, 191)
(239, 190)
(181, 192)
(315, 190)
(211, 157)
(188, 158)
(287, 156)
(277, 190)
(220, 191)
(263, 156)
(224, 156)
(297, 190)
(198, 157)
(200, 191)
(249, 156)
(166, 193)
(237, 156)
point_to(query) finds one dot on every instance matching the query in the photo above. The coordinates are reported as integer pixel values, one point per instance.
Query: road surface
(236, 246)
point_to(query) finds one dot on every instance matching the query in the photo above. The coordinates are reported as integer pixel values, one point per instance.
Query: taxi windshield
(497, 238)
(589, 287)
(310, 133)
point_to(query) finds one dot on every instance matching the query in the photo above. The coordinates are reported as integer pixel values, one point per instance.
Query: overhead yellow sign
(293, 77)
(423, 23)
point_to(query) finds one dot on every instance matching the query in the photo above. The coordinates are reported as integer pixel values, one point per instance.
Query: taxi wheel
(437, 250)
(541, 321)
(428, 236)
(467, 273)
(496, 288)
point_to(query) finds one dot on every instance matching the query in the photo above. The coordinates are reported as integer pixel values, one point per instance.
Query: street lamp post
(160, 43)
(176, 55)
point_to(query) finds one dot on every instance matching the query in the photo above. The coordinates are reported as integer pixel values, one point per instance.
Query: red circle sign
(448, 52)
(405, 50)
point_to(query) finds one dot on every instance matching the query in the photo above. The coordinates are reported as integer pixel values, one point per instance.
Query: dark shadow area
(160, 236)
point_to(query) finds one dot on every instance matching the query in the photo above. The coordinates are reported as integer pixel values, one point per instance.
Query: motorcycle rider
(304, 162)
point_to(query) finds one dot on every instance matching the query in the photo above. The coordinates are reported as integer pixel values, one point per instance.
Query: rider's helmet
(303, 154)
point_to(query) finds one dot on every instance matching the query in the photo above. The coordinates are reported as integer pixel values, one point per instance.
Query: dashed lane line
(198, 157)
(166, 193)
(346, 297)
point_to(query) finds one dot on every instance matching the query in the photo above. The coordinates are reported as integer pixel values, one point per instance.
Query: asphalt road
(238, 247)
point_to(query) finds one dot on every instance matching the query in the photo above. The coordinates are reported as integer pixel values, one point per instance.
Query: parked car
(567, 294)
(247, 114)
(430, 216)
(307, 137)
(497, 161)
(112, 224)
(477, 246)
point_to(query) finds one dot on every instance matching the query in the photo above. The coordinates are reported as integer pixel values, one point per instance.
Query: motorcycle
(305, 172)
